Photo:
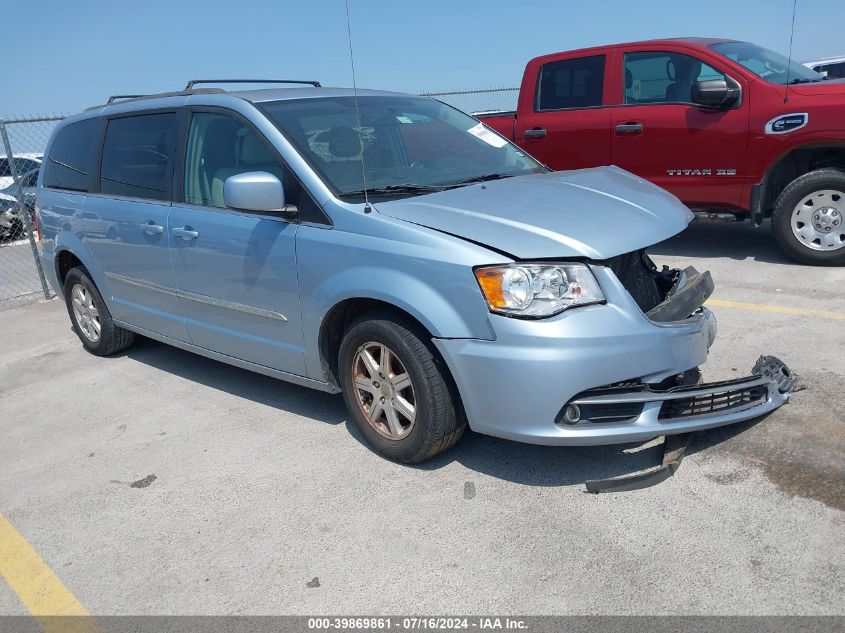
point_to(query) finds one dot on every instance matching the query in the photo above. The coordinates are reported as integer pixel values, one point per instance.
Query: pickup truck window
(664, 77)
(831, 71)
(571, 83)
(407, 141)
(771, 66)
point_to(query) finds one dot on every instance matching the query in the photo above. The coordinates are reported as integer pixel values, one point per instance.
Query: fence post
(24, 211)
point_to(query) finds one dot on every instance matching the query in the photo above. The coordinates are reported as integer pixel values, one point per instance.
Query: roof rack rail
(194, 82)
(114, 98)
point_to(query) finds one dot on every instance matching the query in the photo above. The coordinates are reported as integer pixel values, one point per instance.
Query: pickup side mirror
(716, 94)
(257, 191)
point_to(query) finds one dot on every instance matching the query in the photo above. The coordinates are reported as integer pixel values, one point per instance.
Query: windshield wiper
(393, 189)
(483, 178)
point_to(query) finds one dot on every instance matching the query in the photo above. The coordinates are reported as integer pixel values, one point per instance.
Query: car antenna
(367, 207)
(789, 59)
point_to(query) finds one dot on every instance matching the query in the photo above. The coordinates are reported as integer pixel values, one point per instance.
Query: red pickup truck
(726, 126)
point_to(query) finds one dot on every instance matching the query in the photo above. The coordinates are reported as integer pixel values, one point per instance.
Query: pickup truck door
(561, 118)
(658, 134)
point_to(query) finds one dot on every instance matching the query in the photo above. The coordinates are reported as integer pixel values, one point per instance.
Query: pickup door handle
(186, 233)
(626, 129)
(537, 132)
(151, 228)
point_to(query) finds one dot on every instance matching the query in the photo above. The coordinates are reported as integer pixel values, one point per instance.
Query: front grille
(712, 403)
(636, 276)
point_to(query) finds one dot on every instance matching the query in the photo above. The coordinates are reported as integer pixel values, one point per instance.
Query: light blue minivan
(392, 248)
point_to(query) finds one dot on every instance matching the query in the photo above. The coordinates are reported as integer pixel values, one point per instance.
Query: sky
(64, 56)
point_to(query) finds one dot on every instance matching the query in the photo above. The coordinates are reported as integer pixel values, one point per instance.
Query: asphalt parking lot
(252, 496)
(19, 282)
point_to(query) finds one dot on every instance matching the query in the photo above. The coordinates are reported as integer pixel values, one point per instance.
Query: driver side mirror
(716, 94)
(257, 191)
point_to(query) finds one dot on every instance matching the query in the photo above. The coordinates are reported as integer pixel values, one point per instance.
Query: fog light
(572, 414)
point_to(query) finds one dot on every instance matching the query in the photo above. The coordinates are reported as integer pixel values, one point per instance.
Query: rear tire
(91, 318)
(808, 220)
(397, 388)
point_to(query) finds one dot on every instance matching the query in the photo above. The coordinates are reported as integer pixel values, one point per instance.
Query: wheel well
(338, 320)
(64, 262)
(796, 163)
(341, 316)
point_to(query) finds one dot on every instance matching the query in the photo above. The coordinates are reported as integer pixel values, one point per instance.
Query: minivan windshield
(771, 66)
(411, 145)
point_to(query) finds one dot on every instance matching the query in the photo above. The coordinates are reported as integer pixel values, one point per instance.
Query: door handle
(186, 233)
(536, 132)
(626, 129)
(150, 228)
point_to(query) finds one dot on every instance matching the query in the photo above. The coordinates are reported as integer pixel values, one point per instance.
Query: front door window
(219, 147)
(664, 77)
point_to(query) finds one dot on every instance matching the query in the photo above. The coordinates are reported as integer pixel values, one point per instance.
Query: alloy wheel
(85, 312)
(383, 390)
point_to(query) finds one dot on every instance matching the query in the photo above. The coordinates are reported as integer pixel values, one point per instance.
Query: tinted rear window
(138, 156)
(73, 156)
(571, 83)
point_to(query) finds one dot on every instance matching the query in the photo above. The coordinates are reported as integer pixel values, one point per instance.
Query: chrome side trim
(231, 360)
(147, 285)
(193, 296)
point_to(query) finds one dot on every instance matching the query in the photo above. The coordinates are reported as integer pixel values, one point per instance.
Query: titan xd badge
(701, 172)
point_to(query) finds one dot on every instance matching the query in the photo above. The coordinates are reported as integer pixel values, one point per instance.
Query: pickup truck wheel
(809, 218)
(397, 390)
(90, 317)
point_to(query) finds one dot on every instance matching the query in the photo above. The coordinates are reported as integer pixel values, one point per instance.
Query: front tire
(397, 389)
(808, 220)
(91, 318)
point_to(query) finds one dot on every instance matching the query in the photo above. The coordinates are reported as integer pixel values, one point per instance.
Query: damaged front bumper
(633, 412)
(604, 374)
(769, 373)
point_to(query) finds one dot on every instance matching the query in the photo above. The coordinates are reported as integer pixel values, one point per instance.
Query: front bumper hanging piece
(775, 369)
(674, 446)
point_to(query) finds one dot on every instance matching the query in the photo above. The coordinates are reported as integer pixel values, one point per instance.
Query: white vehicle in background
(24, 163)
(832, 67)
(12, 225)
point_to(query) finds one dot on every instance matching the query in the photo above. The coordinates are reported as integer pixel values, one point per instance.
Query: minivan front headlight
(537, 290)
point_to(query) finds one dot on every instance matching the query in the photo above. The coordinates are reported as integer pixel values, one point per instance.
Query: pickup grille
(712, 403)
(632, 270)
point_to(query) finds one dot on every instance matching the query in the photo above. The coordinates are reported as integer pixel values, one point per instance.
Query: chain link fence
(22, 144)
(484, 100)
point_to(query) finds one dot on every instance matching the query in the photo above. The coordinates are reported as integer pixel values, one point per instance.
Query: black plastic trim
(684, 301)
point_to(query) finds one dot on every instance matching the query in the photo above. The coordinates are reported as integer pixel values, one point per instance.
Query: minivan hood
(595, 213)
